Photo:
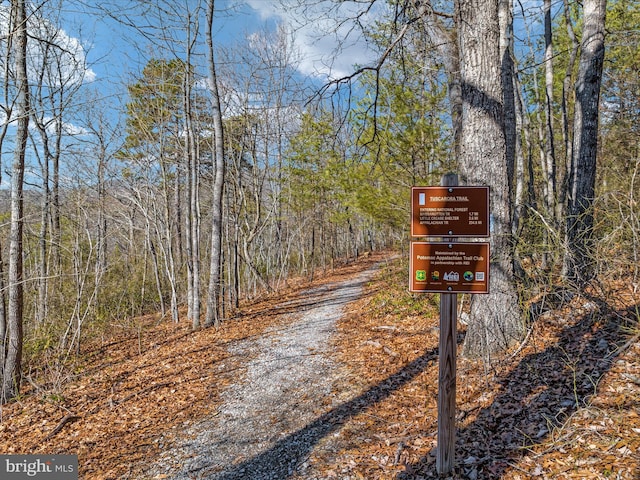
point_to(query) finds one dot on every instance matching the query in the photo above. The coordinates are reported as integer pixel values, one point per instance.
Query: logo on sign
(421, 275)
(451, 277)
(468, 276)
(435, 275)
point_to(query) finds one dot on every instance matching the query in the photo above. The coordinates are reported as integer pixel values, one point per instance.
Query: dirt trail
(276, 414)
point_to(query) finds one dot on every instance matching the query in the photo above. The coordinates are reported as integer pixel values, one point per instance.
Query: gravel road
(282, 408)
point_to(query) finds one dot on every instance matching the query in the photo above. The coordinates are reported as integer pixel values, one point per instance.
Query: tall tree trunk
(102, 246)
(522, 194)
(495, 318)
(56, 230)
(549, 148)
(549, 186)
(513, 119)
(11, 373)
(507, 71)
(4, 330)
(213, 291)
(193, 213)
(166, 236)
(43, 240)
(578, 261)
(6, 105)
(566, 101)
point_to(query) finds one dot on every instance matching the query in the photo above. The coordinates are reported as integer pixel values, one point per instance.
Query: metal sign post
(448, 267)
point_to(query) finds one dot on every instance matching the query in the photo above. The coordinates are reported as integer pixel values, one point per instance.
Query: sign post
(448, 267)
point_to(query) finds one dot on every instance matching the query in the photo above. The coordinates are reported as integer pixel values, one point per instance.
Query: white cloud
(266, 10)
(326, 33)
(51, 46)
(55, 60)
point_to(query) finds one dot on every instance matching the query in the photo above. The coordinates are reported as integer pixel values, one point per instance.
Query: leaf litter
(565, 404)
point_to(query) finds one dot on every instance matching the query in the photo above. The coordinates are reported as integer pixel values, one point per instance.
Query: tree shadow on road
(538, 395)
(287, 455)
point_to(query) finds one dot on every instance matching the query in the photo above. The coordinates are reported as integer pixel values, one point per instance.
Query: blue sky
(114, 54)
(328, 44)
(114, 51)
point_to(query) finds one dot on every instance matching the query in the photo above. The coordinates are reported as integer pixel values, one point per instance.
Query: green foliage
(617, 213)
(155, 101)
(155, 114)
(404, 142)
(359, 173)
(315, 190)
(621, 93)
(313, 169)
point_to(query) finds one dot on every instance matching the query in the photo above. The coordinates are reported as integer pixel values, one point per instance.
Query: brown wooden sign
(449, 267)
(450, 211)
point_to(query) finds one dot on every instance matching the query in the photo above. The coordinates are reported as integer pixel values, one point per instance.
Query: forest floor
(563, 404)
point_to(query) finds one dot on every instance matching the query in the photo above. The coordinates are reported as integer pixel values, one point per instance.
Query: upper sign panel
(450, 211)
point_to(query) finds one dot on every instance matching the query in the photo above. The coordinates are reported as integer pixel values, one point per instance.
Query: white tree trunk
(215, 277)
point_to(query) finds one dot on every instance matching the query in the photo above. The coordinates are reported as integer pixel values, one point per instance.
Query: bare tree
(192, 166)
(7, 105)
(549, 163)
(567, 93)
(11, 372)
(213, 291)
(578, 262)
(94, 160)
(264, 103)
(58, 73)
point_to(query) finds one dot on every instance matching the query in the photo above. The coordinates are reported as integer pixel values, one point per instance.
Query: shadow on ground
(538, 395)
(543, 390)
(283, 459)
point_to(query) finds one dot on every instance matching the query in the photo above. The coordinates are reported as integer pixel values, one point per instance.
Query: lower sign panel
(449, 267)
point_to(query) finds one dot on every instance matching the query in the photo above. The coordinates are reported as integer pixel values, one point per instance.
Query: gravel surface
(282, 408)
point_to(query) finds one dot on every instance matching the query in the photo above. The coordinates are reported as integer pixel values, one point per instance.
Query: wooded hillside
(563, 404)
(215, 173)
